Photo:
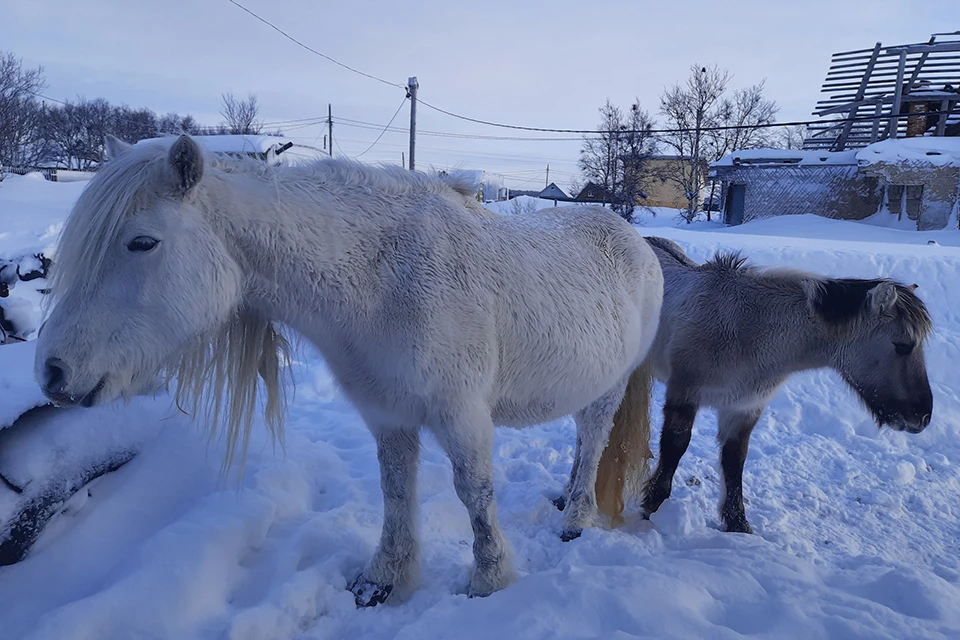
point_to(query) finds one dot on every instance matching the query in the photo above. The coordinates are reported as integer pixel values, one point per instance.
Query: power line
(658, 131)
(547, 129)
(479, 154)
(384, 129)
(359, 124)
(311, 49)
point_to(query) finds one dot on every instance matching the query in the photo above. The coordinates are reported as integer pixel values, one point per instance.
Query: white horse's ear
(186, 161)
(882, 297)
(114, 146)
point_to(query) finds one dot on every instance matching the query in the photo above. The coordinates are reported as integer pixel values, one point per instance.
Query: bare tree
(133, 125)
(710, 124)
(637, 144)
(21, 114)
(599, 154)
(790, 137)
(747, 116)
(689, 109)
(78, 131)
(240, 116)
(174, 123)
(613, 158)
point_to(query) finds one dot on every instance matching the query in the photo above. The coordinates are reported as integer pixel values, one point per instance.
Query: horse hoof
(369, 594)
(560, 503)
(741, 526)
(571, 534)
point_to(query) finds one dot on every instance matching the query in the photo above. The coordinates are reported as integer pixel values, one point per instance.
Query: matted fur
(429, 310)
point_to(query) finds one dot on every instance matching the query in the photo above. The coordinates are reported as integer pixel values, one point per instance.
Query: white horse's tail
(624, 464)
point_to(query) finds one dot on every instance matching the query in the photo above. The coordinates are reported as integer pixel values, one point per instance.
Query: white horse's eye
(142, 243)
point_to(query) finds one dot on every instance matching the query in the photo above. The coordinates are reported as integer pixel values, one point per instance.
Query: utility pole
(547, 182)
(330, 126)
(412, 87)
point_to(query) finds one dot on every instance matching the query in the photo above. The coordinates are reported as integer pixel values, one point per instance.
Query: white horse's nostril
(56, 376)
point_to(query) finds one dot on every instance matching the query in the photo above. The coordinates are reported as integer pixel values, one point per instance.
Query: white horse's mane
(217, 373)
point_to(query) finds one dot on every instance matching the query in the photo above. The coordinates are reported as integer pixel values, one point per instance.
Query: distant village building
(593, 192)
(889, 145)
(555, 193)
(919, 178)
(662, 191)
(760, 183)
(659, 189)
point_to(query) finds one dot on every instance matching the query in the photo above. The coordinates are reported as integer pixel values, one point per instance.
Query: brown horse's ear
(882, 297)
(186, 161)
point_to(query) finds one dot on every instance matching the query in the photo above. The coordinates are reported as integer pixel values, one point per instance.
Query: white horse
(430, 310)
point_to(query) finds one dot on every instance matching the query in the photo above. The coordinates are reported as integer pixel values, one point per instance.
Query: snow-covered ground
(857, 532)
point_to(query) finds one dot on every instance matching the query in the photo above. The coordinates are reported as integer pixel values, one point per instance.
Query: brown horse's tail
(624, 464)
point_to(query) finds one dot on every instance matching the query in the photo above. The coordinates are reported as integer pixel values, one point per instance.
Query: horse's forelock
(913, 311)
(119, 187)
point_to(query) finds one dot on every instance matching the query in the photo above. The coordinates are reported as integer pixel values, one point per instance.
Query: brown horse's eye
(904, 348)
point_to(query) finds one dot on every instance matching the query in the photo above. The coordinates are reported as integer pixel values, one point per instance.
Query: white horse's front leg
(395, 566)
(594, 424)
(468, 442)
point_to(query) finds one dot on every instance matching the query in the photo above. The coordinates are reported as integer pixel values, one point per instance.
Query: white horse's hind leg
(594, 424)
(468, 442)
(395, 566)
(561, 501)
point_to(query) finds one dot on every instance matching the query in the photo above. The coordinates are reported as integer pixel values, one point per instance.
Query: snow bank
(939, 151)
(856, 529)
(18, 388)
(33, 212)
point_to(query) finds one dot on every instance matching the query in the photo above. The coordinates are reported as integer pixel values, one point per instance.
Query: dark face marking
(882, 326)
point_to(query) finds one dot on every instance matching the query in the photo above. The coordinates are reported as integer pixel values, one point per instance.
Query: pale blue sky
(549, 64)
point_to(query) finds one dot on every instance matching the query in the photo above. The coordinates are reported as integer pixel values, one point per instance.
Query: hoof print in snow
(571, 534)
(368, 594)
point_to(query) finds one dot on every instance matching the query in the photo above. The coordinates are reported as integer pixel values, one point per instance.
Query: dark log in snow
(39, 480)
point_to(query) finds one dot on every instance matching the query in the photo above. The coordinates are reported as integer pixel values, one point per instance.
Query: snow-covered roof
(553, 191)
(778, 157)
(936, 150)
(231, 143)
(252, 144)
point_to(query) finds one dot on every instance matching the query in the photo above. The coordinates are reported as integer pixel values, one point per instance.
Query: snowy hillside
(857, 532)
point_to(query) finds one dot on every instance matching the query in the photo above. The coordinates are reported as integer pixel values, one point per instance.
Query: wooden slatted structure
(888, 92)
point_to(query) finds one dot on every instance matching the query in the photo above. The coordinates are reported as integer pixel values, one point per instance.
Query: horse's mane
(138, 177)
(218, 374)
(836, 299)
